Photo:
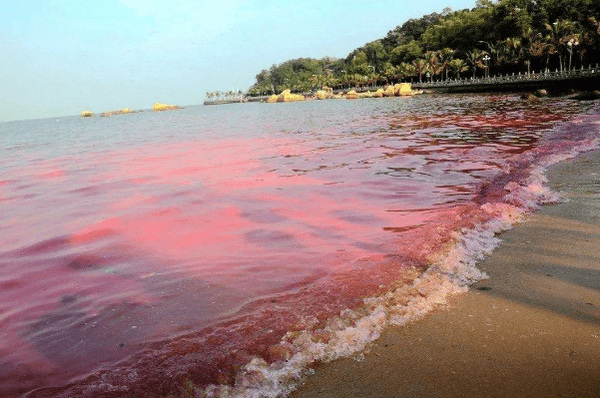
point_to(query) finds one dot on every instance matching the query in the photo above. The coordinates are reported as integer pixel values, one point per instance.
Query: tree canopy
(504, 36)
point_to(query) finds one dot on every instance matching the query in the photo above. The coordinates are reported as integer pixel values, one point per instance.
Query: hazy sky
(63, 56)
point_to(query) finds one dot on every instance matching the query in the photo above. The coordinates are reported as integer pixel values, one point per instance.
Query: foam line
(450, 272)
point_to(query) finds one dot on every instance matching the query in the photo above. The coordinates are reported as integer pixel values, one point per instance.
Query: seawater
(222, 250)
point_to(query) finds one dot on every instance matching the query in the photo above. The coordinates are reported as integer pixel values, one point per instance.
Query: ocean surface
(220, 251)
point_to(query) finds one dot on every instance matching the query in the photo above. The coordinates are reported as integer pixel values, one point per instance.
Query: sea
(223, 251)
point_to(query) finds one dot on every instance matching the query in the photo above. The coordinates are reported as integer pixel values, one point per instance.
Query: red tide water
(150, 252)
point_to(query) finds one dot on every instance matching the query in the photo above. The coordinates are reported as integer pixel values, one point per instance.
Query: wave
(280, 363)
(450, 272)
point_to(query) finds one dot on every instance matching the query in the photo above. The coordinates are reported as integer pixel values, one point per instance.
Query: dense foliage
(505, 36)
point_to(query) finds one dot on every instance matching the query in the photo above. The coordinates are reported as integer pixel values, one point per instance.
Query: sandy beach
(531, 330)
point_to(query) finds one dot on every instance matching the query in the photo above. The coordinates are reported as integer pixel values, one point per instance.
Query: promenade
(557, 82)
(576, 79)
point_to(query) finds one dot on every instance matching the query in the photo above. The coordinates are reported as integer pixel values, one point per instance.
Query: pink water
(144, 252)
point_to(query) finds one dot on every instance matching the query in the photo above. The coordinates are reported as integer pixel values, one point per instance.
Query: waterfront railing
(549, 76)
(484, 82)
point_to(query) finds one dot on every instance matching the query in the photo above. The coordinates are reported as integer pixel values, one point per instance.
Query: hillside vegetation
(501, 37)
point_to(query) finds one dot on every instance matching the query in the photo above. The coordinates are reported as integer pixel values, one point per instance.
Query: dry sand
(531, 330)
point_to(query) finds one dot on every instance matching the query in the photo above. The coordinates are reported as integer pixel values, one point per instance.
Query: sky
(65, 56)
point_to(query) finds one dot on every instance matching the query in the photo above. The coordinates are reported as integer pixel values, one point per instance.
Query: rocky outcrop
(119, 112)
(158, 107)
(351, 95)
(587, 96)
(403, 90)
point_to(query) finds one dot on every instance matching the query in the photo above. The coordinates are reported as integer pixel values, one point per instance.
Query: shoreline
(531, 330)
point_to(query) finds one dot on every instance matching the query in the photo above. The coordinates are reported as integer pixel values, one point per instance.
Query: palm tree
(549, 49)
(559, 34)
(330, 81)
(526, 43)
(374, 78)
(474, 58)
(539, 48)
(358, 79)
(389, 71)
(445, 55)
(596, 24)
(433, 63)
(458, 66)
(420, 67)
(405, 70)
(345, 79)
(511, 49)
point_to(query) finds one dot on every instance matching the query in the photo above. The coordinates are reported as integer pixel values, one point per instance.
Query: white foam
(352, 331)
(449, 273)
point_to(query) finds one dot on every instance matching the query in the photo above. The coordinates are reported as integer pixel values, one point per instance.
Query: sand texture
(531, 330)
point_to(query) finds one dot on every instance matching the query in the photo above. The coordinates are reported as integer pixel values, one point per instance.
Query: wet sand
(531, 330)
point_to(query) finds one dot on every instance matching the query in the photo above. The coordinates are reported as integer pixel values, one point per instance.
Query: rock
(587, 96)
(119, 112)
(323, 94)
(403, 90)
(351, 95)
(163, 107)
(287, 96)
(529, 97)
(541, 93)
(389, 91)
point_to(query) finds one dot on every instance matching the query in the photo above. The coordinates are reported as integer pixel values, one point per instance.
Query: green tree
(420, 67)
(511, 50)
(376, 55)
(411, 30)
(461, 30)
(445, 56)
(559, 34)
(512, 18)
(540, 48)
(458, 66)
(389, 72)
(406, 70)
(359, 64)
(515, 33)
(406, 52)
(475, 60)
(433, 63)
